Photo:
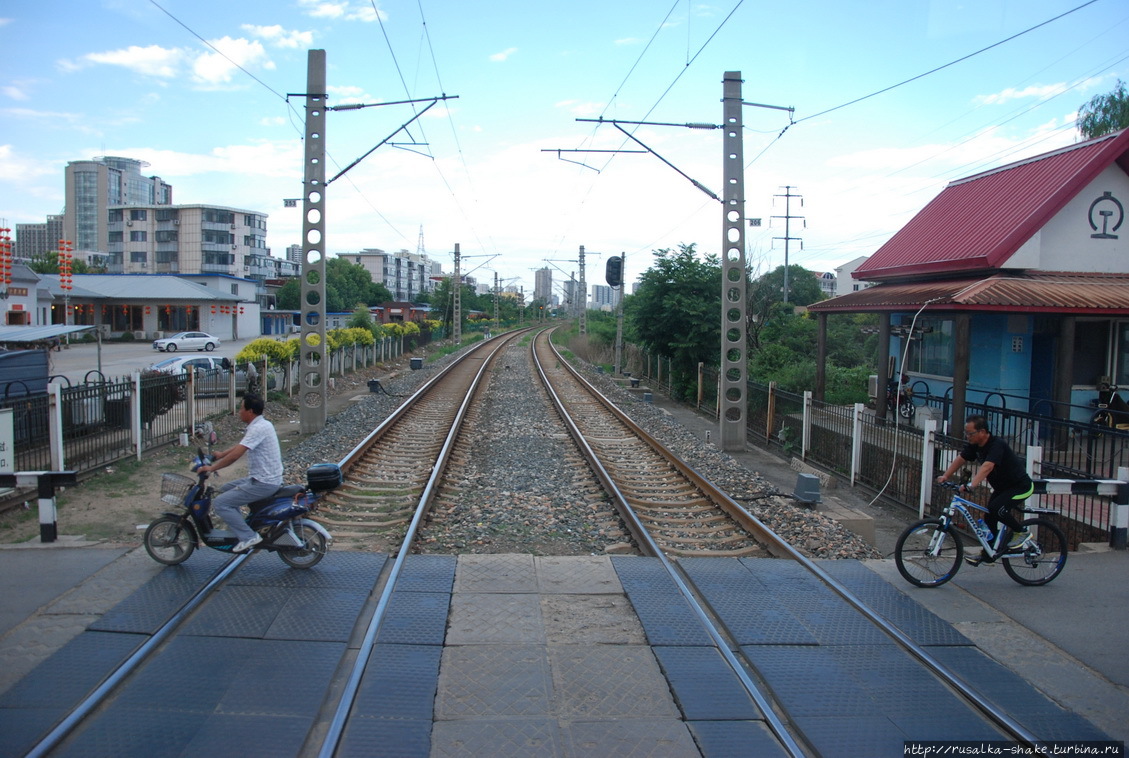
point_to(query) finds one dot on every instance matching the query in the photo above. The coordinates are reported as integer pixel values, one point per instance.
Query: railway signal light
(613, 273)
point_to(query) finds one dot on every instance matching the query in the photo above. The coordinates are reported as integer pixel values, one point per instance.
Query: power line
(950, 63)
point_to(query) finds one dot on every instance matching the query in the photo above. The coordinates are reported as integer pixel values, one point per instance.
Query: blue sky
(124, 77)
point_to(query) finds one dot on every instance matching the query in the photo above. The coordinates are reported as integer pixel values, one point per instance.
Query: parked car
(187, 341)
(212, 373)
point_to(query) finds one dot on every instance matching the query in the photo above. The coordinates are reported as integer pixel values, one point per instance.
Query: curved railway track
(395, 472)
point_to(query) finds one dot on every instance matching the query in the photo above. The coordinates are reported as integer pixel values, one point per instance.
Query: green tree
(1105, 113)
(347, 285)
(48, 263)
(765, 297)
(676, 313)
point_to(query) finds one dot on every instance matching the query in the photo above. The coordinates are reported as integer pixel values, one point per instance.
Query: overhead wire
(686, 66)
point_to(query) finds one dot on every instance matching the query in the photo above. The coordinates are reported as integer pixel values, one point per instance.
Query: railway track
(393, 477)
(669, 507)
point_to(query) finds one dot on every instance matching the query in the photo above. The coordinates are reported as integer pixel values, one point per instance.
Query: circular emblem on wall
(1110, 212)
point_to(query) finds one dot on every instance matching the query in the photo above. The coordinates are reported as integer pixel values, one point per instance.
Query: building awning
(1008, 292)
(30, 334)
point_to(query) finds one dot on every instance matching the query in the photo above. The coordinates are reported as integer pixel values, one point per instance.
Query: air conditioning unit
(176, 222)
(129, 223)
(233, 226)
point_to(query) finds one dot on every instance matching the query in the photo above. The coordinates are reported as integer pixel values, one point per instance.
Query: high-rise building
(95, 186)
(188, 239)
(602, 295)
(543, 284)
(404, 274)
(38, 240)
(294, 254)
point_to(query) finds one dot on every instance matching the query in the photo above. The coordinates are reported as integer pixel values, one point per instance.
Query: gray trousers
(236, 493)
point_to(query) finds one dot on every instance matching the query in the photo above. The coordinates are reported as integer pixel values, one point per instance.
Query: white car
(187, 341)
(211, 373)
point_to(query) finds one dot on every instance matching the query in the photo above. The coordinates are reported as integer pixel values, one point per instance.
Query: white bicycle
(930, 552)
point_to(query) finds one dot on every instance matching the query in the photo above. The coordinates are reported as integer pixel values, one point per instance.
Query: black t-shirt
(1009, 470)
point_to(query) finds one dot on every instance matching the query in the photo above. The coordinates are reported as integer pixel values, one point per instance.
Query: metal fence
(87, 426)
(899, 460)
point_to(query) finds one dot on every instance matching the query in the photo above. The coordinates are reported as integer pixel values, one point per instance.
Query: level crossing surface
(519, 655)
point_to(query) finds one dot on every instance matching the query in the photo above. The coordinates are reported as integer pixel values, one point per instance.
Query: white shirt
(264, 457)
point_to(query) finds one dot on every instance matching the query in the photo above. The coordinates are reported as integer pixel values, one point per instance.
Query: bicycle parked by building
(930, 552)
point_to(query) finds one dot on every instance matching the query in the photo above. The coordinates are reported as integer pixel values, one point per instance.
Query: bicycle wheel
(927, 555)
(906, 409)
(1043, 559)
(169, 541)
(308, 556)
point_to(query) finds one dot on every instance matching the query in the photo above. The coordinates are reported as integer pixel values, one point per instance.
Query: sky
(891, 99)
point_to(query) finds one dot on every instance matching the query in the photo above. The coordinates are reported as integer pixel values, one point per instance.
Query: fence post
(805, 433)
(770, 411)
(1119, 512)
(135, 413)
(856, 442)
(929, 441)
(190, 398)
(55, 425)
(1034, 470)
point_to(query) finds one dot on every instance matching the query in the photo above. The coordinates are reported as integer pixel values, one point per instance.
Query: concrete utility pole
(583, 296)
(619, 314)
(313, 366)
(457, 289)
(733, 404)
(788, 230)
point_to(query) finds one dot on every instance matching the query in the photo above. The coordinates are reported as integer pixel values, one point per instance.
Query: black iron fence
(87, 426)
(899, 460)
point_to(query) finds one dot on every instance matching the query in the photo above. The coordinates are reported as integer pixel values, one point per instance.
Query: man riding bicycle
(1005, 473)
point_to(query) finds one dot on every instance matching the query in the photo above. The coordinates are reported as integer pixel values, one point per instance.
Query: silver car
(187, 341)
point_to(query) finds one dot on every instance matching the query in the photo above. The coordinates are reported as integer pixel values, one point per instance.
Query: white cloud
(280, 37)
(154, 60)
(18, 168)
(628, 41)
(504, 55)
(342, 9)
(1040, 91)
(14, 92)
(212, 69)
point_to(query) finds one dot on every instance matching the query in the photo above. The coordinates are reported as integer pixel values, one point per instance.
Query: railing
(900, 461)
(90, 425)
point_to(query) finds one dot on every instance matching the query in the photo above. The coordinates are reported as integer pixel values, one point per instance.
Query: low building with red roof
(1012, 283)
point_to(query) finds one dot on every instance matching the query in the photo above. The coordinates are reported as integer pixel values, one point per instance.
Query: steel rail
(782, 549)
(97, 696)
(650, 548)
(336, 727)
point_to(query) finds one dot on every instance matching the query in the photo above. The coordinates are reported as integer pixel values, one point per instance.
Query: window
(115, 215)
(934, 353)
(115, 237)
(167, 236)
(219, 238)
(1121, 375)
(138, 256)
(138, 236)
(138, 214)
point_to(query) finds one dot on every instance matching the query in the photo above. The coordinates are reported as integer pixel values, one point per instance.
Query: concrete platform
(524, 655)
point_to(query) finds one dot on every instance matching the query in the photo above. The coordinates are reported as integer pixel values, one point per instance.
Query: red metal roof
(978, 223)
(1010, 292)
